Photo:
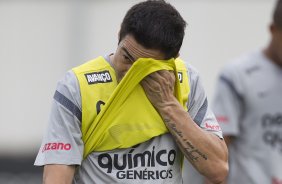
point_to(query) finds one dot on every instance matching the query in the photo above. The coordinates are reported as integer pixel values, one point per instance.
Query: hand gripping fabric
(128, 118)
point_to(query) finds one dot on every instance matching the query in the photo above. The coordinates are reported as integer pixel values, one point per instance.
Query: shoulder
(69, 84)
(193, 73)
(68, 80)
(194, 77)
(197, 95)
(243, 64)
(68, 88)
(98, 63)
(237, 77)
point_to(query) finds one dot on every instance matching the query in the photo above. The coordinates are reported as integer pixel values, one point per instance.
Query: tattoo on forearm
(192, 152)
(189, 150)
(173, 127)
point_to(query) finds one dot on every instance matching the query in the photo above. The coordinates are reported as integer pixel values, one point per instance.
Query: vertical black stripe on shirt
(231, 86)
(201, 113)
(64, 101)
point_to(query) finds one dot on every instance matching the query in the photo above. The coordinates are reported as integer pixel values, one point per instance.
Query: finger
(167, 75)
(152, 86)
(166, 72)
(161, 75)
(149, 82)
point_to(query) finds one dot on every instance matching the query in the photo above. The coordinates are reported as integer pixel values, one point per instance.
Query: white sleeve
(228, 100)
(198, 106)
(62, 143)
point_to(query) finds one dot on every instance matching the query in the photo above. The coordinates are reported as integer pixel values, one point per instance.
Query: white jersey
(248, 105)
(155, 161)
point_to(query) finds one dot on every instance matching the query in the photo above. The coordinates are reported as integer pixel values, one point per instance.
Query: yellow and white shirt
(157, 160)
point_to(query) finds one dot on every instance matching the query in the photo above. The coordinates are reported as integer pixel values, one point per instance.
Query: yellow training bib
(120, 115)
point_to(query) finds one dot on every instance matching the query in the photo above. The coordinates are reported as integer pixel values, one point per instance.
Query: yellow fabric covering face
(128, 118)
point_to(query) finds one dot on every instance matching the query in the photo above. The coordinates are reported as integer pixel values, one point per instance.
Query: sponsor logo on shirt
(222, 119)
(180, 77)
(98, 77)
(212, 127)
(272, 126)
(56, 146)
(252, 69)
(263, 94)
(139, 165)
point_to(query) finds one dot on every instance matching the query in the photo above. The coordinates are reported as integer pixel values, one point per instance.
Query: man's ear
(118, 36)
(271, 28)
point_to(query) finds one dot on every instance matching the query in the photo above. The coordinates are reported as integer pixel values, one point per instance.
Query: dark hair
(155, 24)
(277, 15)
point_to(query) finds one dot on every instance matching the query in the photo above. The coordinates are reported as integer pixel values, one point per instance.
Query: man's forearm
(58, 174)
(204, 150)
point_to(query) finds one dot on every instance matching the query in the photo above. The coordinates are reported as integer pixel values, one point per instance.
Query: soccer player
(102, 129)
(248, 105)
